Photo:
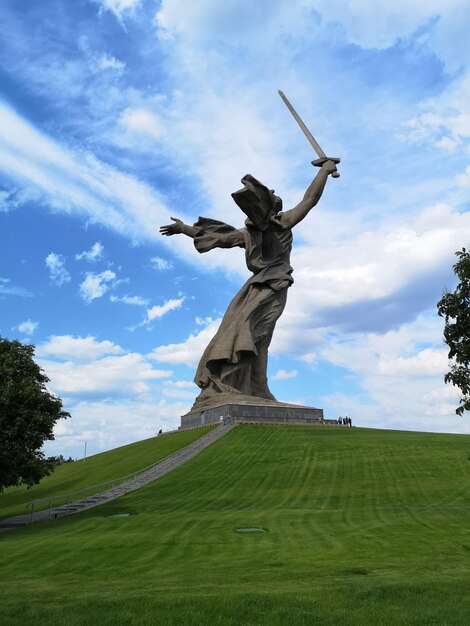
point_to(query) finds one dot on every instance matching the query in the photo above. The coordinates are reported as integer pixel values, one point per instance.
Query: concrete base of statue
(250, 410)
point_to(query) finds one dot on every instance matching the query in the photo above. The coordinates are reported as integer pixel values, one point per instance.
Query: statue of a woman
(235, 361)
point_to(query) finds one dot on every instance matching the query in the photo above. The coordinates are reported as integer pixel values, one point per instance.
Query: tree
(455, 308)
(28, 413)
(60, 460)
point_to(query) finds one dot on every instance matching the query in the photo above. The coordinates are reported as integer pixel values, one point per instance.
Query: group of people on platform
(225, 420)
(344, 421)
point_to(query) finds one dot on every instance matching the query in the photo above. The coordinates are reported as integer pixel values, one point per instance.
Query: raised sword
(313, 142)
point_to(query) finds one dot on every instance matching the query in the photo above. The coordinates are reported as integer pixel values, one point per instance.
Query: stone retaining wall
(255, 413)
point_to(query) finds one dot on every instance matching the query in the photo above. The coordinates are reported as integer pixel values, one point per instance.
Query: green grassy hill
(361, 527)
(96, 469)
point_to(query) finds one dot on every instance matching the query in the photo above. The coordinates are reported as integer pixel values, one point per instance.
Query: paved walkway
(150, 474)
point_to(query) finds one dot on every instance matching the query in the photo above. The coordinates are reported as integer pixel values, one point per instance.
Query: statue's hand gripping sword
(313, 142)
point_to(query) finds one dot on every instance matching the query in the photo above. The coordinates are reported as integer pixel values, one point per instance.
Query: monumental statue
(233, 366)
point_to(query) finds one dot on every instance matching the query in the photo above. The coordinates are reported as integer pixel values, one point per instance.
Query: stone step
(12, 524)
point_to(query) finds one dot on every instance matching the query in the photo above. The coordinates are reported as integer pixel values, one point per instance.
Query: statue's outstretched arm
(312, 196)
(178, 228)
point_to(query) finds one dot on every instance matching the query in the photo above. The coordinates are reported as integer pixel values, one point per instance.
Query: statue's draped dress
(235, 361)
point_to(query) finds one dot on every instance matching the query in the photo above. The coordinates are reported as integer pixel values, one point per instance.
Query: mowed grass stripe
(356, 534)
(226, 470)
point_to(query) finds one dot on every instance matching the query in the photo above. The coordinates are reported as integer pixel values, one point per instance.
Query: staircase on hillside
(130, 483)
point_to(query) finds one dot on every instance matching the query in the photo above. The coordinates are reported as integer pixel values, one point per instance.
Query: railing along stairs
(61, 505)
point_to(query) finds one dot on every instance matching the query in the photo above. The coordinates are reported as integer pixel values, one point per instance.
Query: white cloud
(440, 401)
(463, 180)
(203, 321)
(58, 273)
(444, 121)
(182, 389)
(180, 394)
(95, 253)
(428, 362)
(28, 327)
(14, 198)
(363, 352)
(448, 143)
(377, 29)
(401, 381)
(8, 289)
(106, 424)
(125, 388)
(284, 375)
(310, 357)
(96, 285)
(115, 375)
(446, 19)
(232, 22)
(374, 279)
(161, 264)
(120, 7)
(411, 407)
(5, 197)
(142, 122)
(106, 62)
(76, 181)
(180, 384)
(188, 352)
(76, 349)
(160, 310)
(133, 300)
(209, 22)
(83, 365)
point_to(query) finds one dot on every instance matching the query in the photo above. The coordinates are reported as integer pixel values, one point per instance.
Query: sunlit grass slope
(97, 469)
(362, 527)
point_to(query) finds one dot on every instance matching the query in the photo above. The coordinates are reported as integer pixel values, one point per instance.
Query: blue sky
(116, 114)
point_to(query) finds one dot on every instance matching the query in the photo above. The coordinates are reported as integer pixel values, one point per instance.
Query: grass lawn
(362, 527)
(96, 469)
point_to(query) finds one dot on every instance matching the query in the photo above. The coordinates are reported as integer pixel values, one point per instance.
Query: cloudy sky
(117, 114)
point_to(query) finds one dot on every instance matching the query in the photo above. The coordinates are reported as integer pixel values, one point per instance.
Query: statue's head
(257, 201)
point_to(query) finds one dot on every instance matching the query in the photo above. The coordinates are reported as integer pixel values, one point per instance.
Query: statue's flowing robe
(235, 361)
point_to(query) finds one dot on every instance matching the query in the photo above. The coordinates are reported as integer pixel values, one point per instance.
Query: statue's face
(256, 201)
(277, 201)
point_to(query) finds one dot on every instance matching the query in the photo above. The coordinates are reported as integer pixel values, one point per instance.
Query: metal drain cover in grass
(251, 530)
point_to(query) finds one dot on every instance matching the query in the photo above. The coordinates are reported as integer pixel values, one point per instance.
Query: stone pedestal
(254, 412)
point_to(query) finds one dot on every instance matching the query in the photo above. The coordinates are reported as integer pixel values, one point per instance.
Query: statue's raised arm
(312, 196)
